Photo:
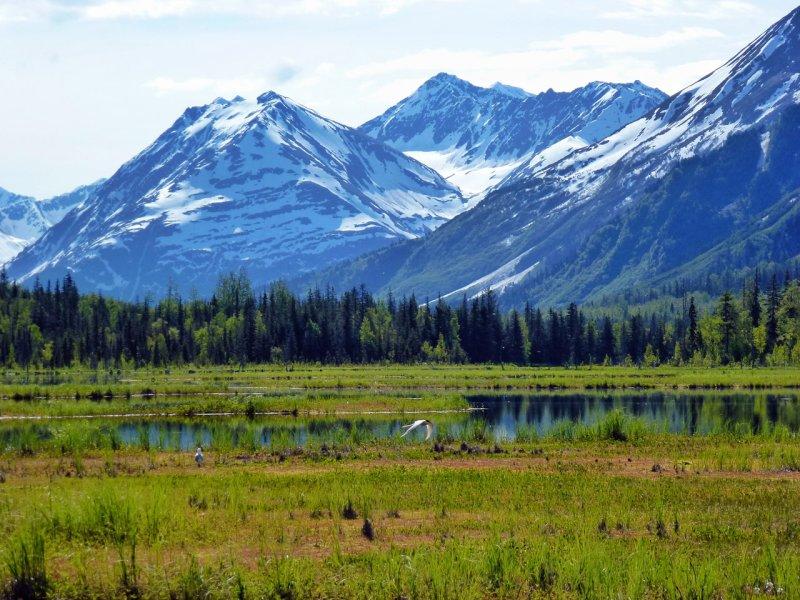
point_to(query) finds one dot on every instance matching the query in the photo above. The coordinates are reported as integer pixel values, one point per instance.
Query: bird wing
(412, 427)
(428, 430)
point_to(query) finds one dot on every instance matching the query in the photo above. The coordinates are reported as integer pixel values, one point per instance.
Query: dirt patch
(31, 470)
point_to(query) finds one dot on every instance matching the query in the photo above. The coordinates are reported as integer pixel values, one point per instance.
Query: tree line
(55, 326)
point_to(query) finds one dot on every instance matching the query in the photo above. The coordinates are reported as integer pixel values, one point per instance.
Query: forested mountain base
(56, 326)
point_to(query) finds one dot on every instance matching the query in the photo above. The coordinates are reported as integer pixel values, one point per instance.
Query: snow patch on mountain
(471, 178)
(10, 246)
(20, 216)
(498, 280)
(554, 153)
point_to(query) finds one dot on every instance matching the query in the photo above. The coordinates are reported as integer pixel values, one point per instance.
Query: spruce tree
(773, 302)
(515, 351)
(727, 315)
(693, 340)
(754, 302)
(608, 346)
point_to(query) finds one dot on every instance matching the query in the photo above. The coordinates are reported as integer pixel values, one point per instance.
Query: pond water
(693, 414)
(498, 417)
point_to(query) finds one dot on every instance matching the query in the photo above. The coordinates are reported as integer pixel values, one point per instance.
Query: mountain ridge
(474, 136)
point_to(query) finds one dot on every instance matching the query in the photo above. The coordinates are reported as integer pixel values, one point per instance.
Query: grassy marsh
(663, 518)
(615, 508)
(99, 384)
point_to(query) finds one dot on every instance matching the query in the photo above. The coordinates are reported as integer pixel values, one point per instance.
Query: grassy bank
(296, 402)
(271, 378)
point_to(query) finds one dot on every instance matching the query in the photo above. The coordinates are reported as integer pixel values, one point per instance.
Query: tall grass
(615, 426)
(440, 532)
(25, 561)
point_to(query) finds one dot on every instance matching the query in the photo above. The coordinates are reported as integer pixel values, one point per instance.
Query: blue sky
(89, 83)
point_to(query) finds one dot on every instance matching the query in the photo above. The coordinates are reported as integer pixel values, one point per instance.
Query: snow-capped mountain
(21, 216)
(267, 185)
(679, 190)
(24, 219)
(21, 222)
(475, 136)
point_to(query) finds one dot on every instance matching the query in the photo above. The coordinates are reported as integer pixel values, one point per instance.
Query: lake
(500, 417)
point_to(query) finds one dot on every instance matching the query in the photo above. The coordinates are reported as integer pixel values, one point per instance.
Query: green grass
(309, 389)
(188, 405)
(25, 561)
(616, 509)
(559, 526)
(98, 385)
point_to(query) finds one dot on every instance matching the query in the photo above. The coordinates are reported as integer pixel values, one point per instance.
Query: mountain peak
(270, 96)
(446, 80)
(510, 90)
(793, 17)
(8, 195)
(444, 77)
(21, 222)
(598, 84)
(703, 184)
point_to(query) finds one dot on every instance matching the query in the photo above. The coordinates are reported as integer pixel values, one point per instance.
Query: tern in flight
(428, 428)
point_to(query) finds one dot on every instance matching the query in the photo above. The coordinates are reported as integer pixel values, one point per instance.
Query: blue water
(498, 417)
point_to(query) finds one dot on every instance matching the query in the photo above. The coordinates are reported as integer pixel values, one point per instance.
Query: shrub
(349, 512)
(367, 530)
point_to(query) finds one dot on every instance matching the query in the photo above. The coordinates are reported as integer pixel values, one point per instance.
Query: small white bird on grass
(198, 457)
(419, 423)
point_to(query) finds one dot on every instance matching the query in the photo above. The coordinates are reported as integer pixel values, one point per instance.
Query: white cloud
(563, 63)
(696, 9)
(619, 42)
(282, 73)
(107, 10)
(19, 11)
(136, 9)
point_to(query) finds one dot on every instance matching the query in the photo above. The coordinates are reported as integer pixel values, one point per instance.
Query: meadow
(618, 508)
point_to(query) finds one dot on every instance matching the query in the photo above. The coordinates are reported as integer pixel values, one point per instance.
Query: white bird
(198, 457)
(419, 423)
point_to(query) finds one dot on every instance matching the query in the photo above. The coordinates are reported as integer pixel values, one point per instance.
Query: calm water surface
(501, 416)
